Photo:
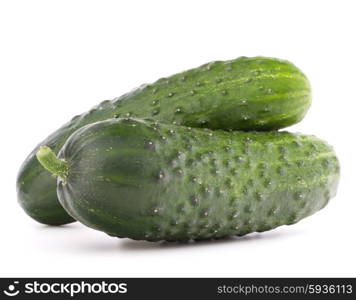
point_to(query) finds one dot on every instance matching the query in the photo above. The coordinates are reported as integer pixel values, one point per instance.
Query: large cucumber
(246, 93)
(150, 181)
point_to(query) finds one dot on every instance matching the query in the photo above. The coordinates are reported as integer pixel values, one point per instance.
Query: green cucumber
(149, 181)
(243, 94)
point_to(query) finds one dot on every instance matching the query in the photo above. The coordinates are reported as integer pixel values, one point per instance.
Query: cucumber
(243, 94)
(149, 181)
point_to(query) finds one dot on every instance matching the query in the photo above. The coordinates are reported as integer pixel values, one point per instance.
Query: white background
(59, 58)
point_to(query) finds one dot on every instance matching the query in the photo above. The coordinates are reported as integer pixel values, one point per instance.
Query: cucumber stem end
(52, 163)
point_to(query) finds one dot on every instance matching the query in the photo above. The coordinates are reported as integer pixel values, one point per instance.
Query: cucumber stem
(52, 163)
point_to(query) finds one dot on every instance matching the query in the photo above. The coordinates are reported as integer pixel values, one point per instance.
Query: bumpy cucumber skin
(242, 94)
(149, 181)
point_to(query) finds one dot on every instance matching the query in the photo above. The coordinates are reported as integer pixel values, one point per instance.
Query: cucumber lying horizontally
(150, 181)
(246, 93)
